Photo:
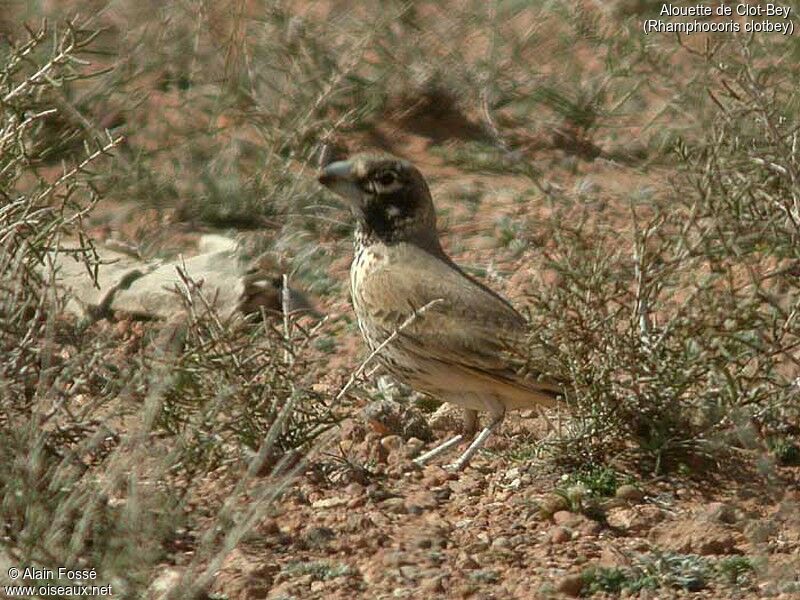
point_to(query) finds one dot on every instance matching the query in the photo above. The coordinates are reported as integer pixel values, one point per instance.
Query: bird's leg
(470, 422)
(470, 426)
(440, 449)
(498, 412)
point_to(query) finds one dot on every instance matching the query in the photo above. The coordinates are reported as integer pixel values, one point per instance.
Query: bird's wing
(466, 325)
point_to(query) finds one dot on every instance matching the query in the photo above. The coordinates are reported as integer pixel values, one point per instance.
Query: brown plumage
(464, 344)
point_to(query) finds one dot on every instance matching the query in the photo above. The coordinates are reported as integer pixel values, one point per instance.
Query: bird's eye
(386, 179)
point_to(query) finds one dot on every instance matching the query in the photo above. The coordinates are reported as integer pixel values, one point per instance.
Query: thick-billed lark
(432, 325)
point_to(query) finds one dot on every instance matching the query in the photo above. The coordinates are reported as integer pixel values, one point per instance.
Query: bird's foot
(456, 467)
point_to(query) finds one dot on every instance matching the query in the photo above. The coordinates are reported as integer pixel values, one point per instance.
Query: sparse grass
(605, 579)
(105, 445)
(736, 570)
(675, 336)
(785, 449)
(664, 571)
(599, 481)
(320, 570)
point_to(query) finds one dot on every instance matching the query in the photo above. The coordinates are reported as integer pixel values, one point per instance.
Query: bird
(428, 323)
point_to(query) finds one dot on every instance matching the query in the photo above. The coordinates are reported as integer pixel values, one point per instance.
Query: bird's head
(387, 195)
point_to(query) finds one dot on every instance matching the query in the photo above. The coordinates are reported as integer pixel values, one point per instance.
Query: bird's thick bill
(336, 171)
(339, 178)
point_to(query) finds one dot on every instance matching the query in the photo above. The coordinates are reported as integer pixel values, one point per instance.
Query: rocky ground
(499, 530)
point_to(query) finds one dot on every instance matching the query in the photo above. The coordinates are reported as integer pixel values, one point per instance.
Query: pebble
(409, 572)
(354, 489)
(552, 504)
(630, 493)
(467, 563)
(432, 585)
(560, 535)
(571, 585)
(591, 528)
(392, 443)
(501, 543)
(329, 502)
(420, 501)
(318, 537)
(635, 518)
(396, 506)
(413, 447)
(357, 502)
(395, 559)
(720, 512)
(467, 487)
(570, 519)
(270, 527)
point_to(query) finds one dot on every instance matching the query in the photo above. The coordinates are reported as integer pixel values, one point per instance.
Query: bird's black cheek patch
(377, 218)
(384, 214)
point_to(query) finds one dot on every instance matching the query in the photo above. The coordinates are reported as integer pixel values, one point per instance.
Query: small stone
(422, 500)
(432, 585)
(565, 517)
(270, 527)
(409, 572)
(501, 543)
(357, 502)
(560, 535)
(377, 493)
(612, 557)
(358, 522)
(477, 547)
(571, 585)
(552, 504)
(329, 502)
(423, 542)
(414, 447)
(467, 486)
(354, 489)
(629, 493)
(434, 475)
(467, 563)
(392, 443)
(395, 559)
(720, 512)
(395, 505)
(591, 528)
(635, 518)
(319, 537)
